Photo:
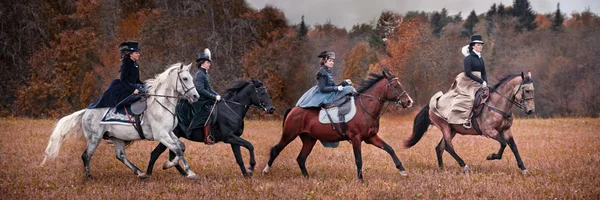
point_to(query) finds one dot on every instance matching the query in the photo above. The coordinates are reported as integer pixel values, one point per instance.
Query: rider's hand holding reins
(218, 97)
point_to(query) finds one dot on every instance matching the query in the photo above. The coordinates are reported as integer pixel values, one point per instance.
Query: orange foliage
(60, 71)
(542, 21)
(357, 63)
(403, 45)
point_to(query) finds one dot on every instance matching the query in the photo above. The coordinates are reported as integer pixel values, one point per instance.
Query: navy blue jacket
(121, 88)
(325, 80)
(202, 83)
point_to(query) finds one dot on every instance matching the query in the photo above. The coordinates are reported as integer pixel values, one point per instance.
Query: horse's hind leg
(439, 150)
(308, 143)
(378, 142)
(92, 144)
(120, 153)
(450, 149)
(275, 150)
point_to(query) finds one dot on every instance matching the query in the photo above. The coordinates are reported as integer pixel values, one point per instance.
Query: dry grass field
(562, 156)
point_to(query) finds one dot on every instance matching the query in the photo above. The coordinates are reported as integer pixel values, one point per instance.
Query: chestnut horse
(494, 121)
(370, 100)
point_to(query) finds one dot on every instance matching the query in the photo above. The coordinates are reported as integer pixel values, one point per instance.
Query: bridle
(183, 86)
(261, 104)
(519, 103)
(397, 101)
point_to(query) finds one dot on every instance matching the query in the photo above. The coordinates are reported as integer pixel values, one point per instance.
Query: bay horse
(495, 121)
(159, 120)
(372, 95)
(229, 124)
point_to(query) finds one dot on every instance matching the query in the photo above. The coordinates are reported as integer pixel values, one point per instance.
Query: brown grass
(561, 155)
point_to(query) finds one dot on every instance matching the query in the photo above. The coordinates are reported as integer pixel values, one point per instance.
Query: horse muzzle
(270, 110)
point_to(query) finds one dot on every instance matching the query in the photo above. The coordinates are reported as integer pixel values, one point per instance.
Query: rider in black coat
(123, 91)
(199, 114)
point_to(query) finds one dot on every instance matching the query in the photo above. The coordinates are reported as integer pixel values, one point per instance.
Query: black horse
(229, 123)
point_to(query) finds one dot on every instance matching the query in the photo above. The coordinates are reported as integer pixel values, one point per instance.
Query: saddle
(127, 114)
(481, 97)
(340, 109)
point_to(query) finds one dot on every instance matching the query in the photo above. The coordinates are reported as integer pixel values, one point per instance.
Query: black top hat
(129, 46)
(327, 55)
(204, 56)
(476, 39)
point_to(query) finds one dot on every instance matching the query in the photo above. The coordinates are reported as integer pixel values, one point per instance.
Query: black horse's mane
(237, 86)
(368, 83)
(504, 80)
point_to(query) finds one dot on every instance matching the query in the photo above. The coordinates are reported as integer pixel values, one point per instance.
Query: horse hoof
(266, 170)
(250, 172)
(403, 173)
(490, 157)
(524, 172)
(466, 169)
(167, 165)
(192, 176)
(143, 176)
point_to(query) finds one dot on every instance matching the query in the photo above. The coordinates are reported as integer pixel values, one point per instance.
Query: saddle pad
(118, 116)
(333, 112)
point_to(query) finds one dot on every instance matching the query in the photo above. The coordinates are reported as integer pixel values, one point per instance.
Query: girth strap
(342, 133)
(138, 123)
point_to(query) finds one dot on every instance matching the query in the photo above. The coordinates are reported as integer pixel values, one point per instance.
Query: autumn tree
(357, 62)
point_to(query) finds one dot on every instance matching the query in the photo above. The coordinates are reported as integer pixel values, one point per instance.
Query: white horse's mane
(162, 77)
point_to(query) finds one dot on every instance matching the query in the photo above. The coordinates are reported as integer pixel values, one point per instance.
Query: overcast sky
(346, 13)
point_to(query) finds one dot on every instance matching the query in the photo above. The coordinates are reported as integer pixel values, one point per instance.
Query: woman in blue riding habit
(326, 91)
(128, 84)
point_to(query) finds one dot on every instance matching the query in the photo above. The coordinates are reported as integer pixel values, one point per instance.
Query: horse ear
(384, 71)
(529, 74)
(181, 67)
(522, 75)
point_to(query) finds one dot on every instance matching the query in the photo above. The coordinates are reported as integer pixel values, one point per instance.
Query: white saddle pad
(333, 112)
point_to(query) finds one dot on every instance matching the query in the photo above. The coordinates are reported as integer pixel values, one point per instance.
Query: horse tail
(61, 130)
(420, 126)
(285, 114)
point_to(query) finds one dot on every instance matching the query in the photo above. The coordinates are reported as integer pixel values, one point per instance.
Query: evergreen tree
(558, 19)
(490, 18)
(439, 20)
(523, 11)
(302, 30)
(501, 10)
(469, 24)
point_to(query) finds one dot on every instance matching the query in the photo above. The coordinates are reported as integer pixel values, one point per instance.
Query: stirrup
(209, 140)
(467, 125)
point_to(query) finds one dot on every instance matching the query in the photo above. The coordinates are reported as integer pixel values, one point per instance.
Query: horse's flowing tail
(61, 131)
(285, 114)
(420, 126)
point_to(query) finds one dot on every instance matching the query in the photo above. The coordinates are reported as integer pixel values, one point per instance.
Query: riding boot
(208, 138)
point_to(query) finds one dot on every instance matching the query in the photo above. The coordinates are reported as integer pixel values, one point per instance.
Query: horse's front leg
(378, 142)
(174, 146)
(498, 156)
(356, 146)
(513, 146)
(240, 161)
(236, 142)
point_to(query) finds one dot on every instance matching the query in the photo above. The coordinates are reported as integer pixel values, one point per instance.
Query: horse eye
(185, 79)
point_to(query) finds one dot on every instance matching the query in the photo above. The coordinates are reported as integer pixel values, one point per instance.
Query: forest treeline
(56, 57)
